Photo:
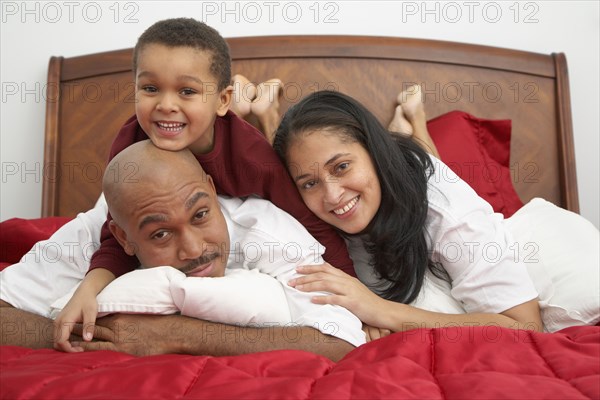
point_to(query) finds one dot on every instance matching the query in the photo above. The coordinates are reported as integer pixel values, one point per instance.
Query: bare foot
(411, 101)
(266, 106)
(244, 93)
(410, 118)
(399, 123)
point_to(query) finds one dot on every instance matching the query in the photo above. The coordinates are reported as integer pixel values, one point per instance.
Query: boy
(182, 71)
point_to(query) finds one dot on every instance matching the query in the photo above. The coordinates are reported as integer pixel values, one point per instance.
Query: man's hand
(140, 335)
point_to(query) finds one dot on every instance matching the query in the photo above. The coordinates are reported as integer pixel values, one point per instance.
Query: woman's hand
(346, 291)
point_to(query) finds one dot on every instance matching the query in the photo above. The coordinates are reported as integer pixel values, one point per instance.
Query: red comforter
(467, 362)
(425, 363)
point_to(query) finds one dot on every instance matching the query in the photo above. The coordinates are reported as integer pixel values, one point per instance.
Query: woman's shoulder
(451, 199)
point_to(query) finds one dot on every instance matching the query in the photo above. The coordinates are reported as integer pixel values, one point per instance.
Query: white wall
(31, 32)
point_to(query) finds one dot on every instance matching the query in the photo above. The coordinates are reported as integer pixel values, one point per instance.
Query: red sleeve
(243, 163)
(111, 255)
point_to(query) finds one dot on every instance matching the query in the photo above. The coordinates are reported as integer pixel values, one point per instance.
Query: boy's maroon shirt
(241, 163)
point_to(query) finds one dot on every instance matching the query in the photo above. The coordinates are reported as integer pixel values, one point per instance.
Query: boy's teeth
(172, 126)
(348, 207)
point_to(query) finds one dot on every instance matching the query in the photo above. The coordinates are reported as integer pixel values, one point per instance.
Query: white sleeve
(475, 248)
(54, 267)
(283, 244)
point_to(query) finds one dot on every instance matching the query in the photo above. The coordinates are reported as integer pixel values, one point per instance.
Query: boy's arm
(81, 308)
(150, 334)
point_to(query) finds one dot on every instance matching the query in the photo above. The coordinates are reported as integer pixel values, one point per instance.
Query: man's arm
(151, 334)
(22, 328)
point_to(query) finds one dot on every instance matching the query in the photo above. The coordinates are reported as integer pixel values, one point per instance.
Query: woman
(403, 219)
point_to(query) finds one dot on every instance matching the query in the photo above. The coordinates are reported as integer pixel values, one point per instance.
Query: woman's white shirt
(472, 244)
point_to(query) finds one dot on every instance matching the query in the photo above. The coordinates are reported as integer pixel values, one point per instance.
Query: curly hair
(396, 237)
(188, 32)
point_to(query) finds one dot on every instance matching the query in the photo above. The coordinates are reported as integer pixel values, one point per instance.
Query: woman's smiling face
(336, 178)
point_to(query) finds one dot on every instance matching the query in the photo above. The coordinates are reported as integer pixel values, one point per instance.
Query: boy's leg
(266, 106)
(410, 118)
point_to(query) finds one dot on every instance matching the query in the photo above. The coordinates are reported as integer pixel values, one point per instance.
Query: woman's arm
(400, 317)
(371, 309)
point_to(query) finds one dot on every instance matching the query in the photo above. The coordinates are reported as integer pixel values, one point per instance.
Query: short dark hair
(188, 32)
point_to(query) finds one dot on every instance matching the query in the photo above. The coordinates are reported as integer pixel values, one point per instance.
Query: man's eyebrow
(194, 199)
(152, 218)
(327, 163)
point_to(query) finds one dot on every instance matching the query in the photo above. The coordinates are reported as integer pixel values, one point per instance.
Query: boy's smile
(177, 97)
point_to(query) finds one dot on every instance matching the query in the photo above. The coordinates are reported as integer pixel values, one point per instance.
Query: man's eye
(160, 235)
(201, 214)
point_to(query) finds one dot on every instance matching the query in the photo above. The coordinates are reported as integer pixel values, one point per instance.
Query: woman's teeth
(347, 207)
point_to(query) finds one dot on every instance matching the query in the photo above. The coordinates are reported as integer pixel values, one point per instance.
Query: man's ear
(210, 181)
(121, 237)
(224, 100)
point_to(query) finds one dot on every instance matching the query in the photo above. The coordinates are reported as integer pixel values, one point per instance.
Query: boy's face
(177, 97)
(175, 222)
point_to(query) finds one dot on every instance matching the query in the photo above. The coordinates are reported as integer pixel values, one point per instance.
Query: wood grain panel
(96, 97)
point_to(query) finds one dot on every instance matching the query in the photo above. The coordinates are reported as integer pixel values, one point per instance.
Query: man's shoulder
(261, 217)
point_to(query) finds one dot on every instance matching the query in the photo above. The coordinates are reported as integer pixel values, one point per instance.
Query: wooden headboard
(89, 97)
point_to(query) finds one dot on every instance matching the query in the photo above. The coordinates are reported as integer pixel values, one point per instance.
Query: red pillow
(478, 151)
(17, 236)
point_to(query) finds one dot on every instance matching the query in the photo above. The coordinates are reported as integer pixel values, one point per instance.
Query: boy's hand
(82, 307)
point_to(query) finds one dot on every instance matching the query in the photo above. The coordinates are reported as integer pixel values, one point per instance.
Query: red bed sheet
(443, 363)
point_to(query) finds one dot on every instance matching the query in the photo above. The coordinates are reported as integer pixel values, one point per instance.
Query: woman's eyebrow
(332, 160)
(335, 157)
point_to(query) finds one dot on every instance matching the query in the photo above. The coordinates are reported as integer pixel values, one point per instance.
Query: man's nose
(190, 245)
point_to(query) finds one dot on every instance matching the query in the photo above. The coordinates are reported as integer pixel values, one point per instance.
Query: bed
(514, 105)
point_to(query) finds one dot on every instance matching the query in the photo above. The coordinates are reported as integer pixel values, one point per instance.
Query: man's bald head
(166, 211)
(138, 164)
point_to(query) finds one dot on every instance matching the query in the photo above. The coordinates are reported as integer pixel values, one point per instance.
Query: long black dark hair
(396, 237)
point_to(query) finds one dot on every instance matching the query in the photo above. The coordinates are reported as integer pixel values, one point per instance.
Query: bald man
(166, 212)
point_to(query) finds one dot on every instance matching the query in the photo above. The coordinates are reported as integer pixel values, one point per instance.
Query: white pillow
(561, 250)
(241, 297)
